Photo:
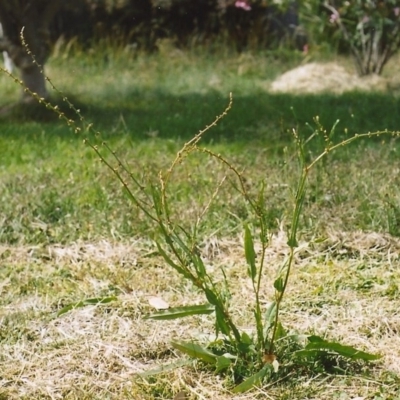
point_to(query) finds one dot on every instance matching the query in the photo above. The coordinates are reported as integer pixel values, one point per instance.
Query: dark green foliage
(140, 23)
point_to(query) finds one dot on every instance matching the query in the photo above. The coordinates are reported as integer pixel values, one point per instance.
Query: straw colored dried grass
(95, 352)
(327, 77)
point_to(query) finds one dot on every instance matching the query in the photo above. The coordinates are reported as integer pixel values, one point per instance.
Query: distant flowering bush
(370, 27)
(243, 5)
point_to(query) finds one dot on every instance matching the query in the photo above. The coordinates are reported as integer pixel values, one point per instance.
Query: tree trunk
(34, 80)
(28, 21)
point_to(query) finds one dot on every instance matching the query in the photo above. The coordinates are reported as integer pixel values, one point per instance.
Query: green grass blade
(174, 265)
(166, 257)
(99, 300)
(165, 368)
(332, 132)
(222, 323)
(181, 312)
(250, 253)
(177, 239)
(199, 266)
(87, 302)
(195, 351)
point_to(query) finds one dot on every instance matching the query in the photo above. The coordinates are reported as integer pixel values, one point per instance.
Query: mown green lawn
(68, 231)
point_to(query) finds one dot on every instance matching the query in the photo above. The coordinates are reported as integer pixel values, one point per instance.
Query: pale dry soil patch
(346, 289)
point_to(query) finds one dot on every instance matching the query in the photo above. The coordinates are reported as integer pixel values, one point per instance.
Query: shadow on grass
(33, 112)
(263, 116)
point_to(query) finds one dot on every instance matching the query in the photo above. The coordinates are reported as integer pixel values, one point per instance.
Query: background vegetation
(144, 103)
(139, 24)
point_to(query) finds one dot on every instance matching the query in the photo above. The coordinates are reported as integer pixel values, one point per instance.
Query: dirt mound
(329, 77)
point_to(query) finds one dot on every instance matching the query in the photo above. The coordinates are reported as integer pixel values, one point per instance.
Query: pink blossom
(365, 19)
(333, 18)
(243, 5)
(396, 11)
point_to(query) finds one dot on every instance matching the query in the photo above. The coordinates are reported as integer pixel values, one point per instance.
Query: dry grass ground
(326, 77)
(346, 288)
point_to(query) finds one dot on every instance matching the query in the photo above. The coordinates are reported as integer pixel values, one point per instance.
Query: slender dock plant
(252, 357)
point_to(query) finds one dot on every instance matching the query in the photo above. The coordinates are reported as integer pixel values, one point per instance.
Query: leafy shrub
(370, 28)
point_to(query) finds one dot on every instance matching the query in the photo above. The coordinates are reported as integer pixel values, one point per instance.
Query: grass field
(69, 233)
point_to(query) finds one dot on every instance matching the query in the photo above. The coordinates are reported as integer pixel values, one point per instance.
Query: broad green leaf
(280, 332)
(315, 338)
(254, 380)
(165, 368)
(181, 312)
(83, 303)
(278, 285)
(222, 363)
(317, 343)
(246, 339)
(212, 297)
(250, 253)
(270, 314)
(246, 344)
(195, 351)
(311, 354)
